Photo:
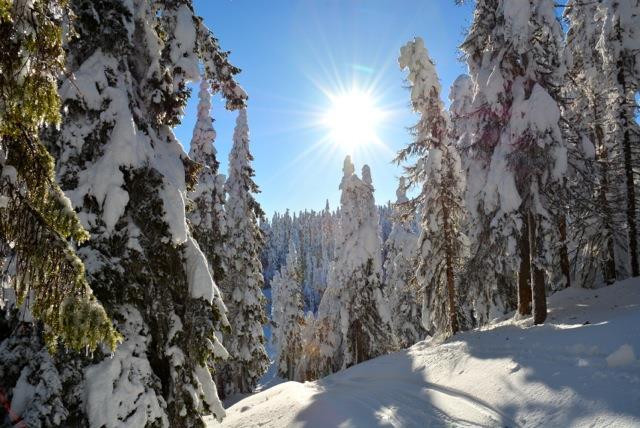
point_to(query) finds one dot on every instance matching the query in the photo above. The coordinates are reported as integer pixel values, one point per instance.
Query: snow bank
(575, 370)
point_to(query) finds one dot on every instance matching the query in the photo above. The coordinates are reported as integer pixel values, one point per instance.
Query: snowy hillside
(580, 368)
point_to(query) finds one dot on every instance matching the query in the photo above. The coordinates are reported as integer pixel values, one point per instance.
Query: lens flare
(353, 119)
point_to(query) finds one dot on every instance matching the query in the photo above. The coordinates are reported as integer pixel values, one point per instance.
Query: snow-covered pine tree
(312, 364)
(619, 46)
(207, 216)
(488, 273)
(242, 286)
(287, 314)
(399, 274)
(327, 245)
(438, 173)
(127, 176)
(385, 214)
(353, 318)
(45, 300)
(514, 56)
(597, 226)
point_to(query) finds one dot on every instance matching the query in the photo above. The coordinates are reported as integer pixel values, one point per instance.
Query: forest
(142, 287)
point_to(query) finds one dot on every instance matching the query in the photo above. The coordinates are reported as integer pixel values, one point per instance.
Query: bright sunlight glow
(353, 119)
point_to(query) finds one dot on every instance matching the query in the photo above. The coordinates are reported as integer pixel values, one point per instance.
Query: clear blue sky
(289, 51)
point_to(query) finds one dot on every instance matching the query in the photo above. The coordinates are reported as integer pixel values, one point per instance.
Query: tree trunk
(628, 169)
(524, 275)
(565, 265)
(631, 205)
(538, 289)
(609, 268)
(449, 260)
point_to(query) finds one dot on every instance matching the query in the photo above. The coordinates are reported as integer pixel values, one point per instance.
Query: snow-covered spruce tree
(619, 46)
(490, 270)
(353, 318)
(399, 274)
(312, 364)
(597, 226)
(514, 56)
(207, 216)
(312, 233)
(128, 177)
(327, 245)
(439, 174)
(45, 300)
(287, 314)
(242, 285)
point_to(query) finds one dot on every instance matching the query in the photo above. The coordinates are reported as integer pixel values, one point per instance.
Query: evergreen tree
(619, 46)
(353, 318)
(399, 271)
(242, 286)
(38, 227)
(513, 51)
(126, 175)
(438, 172)
(208, 217)
(597, 225)
(48, 300)
(488, 273)
(287, 313)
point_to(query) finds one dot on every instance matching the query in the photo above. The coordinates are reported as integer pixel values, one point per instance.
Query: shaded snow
(509, 374)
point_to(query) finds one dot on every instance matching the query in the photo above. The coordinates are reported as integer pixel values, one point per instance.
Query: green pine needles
(37, 222)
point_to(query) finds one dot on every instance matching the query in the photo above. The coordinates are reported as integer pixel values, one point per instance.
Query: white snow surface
(509, 374)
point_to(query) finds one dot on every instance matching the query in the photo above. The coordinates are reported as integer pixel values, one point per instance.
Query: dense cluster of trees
(526, 185)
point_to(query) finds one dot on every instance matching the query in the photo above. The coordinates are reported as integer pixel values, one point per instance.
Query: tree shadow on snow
(391, 391)
(562, 356)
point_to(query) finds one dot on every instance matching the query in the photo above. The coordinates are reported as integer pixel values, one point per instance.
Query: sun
(353, 119)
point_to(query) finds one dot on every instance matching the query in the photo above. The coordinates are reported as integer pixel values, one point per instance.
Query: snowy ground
(579, 369)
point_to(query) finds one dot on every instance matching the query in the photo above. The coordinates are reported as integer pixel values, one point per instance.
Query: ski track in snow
(509, 374)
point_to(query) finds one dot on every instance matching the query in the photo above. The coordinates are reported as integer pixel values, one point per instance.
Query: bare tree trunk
(524, 275)
(538, 289)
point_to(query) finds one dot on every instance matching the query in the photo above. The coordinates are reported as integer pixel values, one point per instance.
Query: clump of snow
(517, 14)
(119, 391)
(623, 356)
(422, 72)
(201, 284)
(208, 391)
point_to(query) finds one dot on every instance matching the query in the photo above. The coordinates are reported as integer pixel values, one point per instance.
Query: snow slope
(579, 369)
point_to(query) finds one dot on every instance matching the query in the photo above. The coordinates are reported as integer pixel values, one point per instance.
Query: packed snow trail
(581, 368)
